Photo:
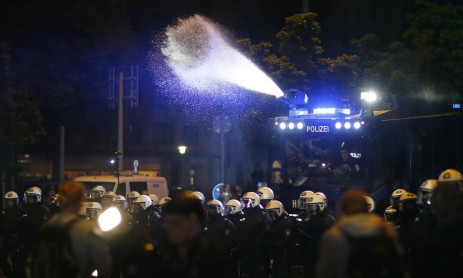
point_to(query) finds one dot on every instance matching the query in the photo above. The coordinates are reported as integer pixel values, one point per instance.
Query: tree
(293, 63)
(436, 38)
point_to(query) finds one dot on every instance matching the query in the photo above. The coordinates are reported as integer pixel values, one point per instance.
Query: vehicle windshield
(336, 157)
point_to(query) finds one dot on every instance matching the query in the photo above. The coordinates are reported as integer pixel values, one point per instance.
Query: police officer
(53, 203)
(34, 215)
(327, 209)
(281, 240)
(446, 249)
(304, 214)
(265, 195)
(371, 203)
(164, 201)
(252, 233)
(424, 225)
(426, 220)
(132, 197)
(92, 210)
(311, 230)
(154, 203)
(219, 230)
(9, 220)
(107, 199)
(392, 213)
(200, 196)
(405, 225)
(140, 211)
(120, 202)
(97, 193)
(233, 211)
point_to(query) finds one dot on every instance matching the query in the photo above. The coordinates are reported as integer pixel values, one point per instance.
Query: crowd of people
(419, 235)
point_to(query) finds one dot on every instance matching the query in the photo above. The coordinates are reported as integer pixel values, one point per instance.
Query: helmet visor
(229, 210)
(93, 213)
(313, 209)
(247, 203)
(11, 203)
(272, 213)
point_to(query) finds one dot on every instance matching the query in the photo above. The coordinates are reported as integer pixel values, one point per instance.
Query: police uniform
(9, 220)
(32, 220)
(310, 232)
(222, 232)
(252, 234)
(281, 243)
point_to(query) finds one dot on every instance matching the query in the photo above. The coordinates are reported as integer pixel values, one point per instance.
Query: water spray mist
(198, 54)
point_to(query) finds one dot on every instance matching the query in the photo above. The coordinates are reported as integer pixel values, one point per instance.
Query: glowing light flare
(338, 125)
(199, 55)
(356, 125)
(291, 126)
(109, 219)
(347, 125)
(300, 125)
(282, 125)
(368, 96)
(182, 149)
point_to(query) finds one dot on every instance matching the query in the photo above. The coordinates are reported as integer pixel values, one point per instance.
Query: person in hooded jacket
(349, 247)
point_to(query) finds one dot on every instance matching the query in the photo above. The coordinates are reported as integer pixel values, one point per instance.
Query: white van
(144, 184)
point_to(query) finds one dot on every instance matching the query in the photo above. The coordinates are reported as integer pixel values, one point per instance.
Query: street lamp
(182, 150)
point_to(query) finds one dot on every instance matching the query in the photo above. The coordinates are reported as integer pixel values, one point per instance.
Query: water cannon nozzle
(295, 98)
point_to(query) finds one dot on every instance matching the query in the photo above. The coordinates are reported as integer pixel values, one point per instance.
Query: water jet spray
(200, 56)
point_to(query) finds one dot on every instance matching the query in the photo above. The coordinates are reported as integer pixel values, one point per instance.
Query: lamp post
(182, 150)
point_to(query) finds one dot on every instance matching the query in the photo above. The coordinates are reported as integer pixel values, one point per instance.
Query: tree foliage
(427, 59)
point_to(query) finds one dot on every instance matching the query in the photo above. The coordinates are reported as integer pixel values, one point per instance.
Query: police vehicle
(330, 145)
(128, 182)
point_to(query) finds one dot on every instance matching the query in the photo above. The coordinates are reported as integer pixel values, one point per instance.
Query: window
(163, 134)
(121, 189)
(139, 186)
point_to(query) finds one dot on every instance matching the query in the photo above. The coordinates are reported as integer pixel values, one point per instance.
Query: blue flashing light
(456, 106)
(291, 125)
(338, 125)
(300, 125)
(356, 125)
(331, 111)
(324, 111)
(283, 126)
(347, 125)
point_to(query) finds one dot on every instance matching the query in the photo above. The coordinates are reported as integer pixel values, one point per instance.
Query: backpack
(53, 256)
(373, 256)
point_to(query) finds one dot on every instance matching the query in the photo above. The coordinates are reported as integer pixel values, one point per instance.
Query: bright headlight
(109, 219)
